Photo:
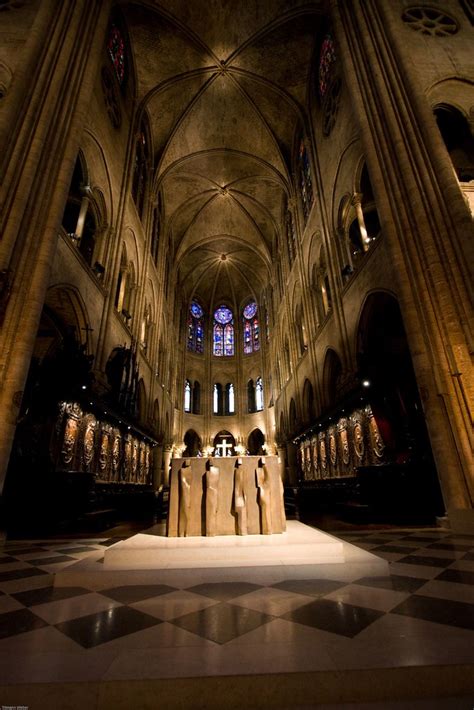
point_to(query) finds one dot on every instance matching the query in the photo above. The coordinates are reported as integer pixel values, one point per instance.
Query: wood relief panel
(340, 448)
(85, 444)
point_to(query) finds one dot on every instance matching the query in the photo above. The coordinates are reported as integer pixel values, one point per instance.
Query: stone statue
(264, 496)
(185, 480)
(240, 502)
(212, 493)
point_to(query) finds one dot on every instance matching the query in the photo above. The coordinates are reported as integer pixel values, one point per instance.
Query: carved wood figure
(240, 502)
(264, 497)
(185, 480)
(212, 496)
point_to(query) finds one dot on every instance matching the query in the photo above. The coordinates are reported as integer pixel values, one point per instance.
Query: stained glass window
(140, 175)
(327, 60)
(306, 183)
(290, 236)
(116, 50)
(251, 328)
(195, 328)
(223, 332)
(250, 310)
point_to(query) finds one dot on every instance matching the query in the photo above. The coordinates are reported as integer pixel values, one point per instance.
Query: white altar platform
(299, 545)
(150, 556)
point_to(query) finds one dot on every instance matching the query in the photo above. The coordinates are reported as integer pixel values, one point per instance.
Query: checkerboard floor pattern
(423, 613)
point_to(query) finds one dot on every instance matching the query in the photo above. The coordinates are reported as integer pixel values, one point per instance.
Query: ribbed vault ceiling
(224, 83)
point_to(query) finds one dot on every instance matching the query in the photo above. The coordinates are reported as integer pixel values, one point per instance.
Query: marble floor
(289, 637)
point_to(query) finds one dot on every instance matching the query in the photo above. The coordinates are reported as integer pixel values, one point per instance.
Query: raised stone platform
(299, 545)
(151, 557)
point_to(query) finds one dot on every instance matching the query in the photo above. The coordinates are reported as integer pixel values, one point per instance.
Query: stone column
(281, 453)
(157, 463)
(423, 223)
(45, 113)
(167, 451)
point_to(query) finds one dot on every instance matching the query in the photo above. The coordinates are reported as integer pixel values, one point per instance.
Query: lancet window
(290, 236)
(327, 62)
(259, 394)
(116, 52)
(187, 396)
(195, 328)
(223, 332)
(305, 179)
(251, 328)
(140, 169)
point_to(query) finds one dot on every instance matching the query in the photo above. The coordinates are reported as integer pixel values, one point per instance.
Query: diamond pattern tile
(336, 617)
(426, 561)
(136, 592)
(442, 611)
(396, 582)
(43, 595)
(458, 576)
(95, 629)
(309, 587)
(18, 622)
(21, 573)
(57, 559)
(223, 591)
(222, 622)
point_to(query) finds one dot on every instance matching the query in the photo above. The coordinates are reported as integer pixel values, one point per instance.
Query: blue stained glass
(223, 315)
(195, 328)
(196, 310)
(247, 338)
(218, 340)
(229, 339)
(250, 310)
(256, 335)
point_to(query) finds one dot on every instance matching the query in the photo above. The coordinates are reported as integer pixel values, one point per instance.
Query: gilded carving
(378, 447)
(104, 452)
(332, 446)
(314, 447)
(344, 441)
(69, 441)
(89, 442)
(322, 452)
(358, 435)
(128, 448)
(116, 454)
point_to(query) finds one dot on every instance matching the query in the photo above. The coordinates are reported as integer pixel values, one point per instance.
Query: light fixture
(365, 383)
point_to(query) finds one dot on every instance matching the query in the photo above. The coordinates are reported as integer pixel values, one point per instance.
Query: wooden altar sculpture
(240, 496)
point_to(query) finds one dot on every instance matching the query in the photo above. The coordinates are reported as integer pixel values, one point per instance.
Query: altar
(227, 495)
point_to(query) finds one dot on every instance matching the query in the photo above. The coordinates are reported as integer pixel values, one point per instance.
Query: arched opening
(293, 423)
(458, 140)
(196, 408)
(193, 443)
(332, 372)
(255, 443)
(224, 444)
(250, 396)
(141, 402)
(60, 373)
(309, 413)
(387, 376)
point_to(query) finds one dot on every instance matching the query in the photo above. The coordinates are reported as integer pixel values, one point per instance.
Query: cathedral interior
(238, 229)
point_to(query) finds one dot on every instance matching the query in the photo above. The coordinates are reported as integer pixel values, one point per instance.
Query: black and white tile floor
(420, 615)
